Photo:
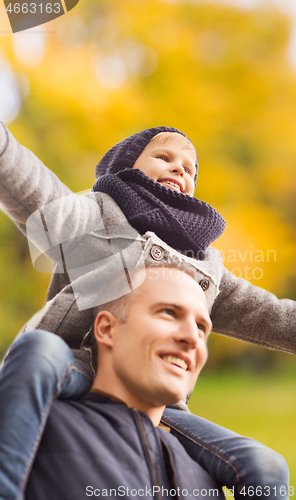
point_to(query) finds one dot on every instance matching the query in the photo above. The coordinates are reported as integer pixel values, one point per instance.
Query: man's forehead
(173, 282)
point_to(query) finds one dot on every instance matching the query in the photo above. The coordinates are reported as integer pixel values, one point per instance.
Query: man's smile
(175, 360)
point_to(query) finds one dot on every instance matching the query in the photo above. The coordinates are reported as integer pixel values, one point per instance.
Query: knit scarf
(183, 222)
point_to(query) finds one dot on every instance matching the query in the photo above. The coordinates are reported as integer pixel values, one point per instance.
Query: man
(151, 348)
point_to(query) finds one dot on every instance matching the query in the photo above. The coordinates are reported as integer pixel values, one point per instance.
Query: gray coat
(88, 238)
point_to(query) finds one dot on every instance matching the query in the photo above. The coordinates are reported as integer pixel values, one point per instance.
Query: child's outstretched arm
(34, 197)
(25, 183)
(249, 313)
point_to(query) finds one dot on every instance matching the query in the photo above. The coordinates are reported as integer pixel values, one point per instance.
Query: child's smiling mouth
(171, 184)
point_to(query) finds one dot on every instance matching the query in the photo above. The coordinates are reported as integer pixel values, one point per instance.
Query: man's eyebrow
(169, 304)
(201, 319)
(180, 308)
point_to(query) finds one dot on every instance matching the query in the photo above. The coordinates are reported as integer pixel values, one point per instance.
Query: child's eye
(201, 328)
(188, 171)
(163, 157)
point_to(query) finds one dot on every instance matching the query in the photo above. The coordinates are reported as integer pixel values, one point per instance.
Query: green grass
(261, 407)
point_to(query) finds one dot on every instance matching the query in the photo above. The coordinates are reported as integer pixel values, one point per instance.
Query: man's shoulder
(94, 414)
(74, 426)
(92, 404)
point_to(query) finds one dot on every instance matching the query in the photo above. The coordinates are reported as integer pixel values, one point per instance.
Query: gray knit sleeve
(251, 314)
(25, 183)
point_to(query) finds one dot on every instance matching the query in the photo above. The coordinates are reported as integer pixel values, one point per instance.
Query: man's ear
(104, 328)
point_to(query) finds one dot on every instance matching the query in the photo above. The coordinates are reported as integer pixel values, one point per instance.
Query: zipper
(144, 441)
(172, 468)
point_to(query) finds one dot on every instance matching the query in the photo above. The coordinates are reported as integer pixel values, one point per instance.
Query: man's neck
(154, 413)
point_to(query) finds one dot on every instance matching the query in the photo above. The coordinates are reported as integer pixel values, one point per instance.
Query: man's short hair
(118, 307)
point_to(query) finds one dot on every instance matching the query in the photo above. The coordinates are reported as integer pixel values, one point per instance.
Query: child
(74, 231)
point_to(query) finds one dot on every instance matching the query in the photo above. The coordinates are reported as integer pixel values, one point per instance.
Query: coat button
(156, 253)
(204, 284)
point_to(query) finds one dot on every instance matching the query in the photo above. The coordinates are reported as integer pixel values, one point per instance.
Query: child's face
(171, 164)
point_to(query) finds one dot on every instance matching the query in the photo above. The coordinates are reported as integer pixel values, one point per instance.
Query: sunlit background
(224, 72)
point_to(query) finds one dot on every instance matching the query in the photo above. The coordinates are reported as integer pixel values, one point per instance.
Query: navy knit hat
(124, 154)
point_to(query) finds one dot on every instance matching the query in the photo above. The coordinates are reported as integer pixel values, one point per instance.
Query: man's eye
(170, 312)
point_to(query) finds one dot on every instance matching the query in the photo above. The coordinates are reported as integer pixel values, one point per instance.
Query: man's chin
(173, 398)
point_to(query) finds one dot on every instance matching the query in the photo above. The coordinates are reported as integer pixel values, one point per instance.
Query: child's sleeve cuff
(3, 138)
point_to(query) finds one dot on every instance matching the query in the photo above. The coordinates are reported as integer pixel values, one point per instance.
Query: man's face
(171, 164)
(160, 350)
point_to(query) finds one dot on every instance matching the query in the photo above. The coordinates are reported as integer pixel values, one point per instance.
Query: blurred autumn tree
(111, 68)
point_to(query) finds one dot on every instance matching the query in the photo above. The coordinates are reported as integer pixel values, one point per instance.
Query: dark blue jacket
(97, 447)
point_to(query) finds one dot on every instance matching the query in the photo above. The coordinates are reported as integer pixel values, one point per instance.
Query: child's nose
(178, 169)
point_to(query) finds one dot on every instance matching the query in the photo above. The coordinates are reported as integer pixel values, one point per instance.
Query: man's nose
(188, 334)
